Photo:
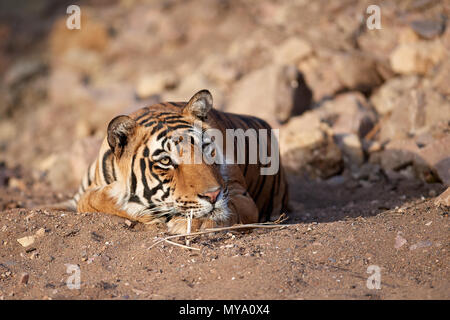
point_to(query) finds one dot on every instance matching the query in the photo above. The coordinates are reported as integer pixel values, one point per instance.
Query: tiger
(138, 174)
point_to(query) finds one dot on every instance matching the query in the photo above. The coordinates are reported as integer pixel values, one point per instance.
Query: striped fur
(134, 176)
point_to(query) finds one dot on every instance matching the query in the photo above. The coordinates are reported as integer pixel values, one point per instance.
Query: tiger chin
(138, 173)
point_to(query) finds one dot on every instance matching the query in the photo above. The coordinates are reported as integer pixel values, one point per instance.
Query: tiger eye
(165, 161)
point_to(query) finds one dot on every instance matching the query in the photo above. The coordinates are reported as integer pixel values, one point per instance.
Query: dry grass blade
(181, 245)
(269, 225)
(189, 225)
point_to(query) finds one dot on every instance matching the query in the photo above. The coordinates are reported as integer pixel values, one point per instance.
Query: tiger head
(160, 176)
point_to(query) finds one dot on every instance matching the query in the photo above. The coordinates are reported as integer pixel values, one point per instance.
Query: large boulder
(292, 51)
(416, 111)
(387, 97)
(307, 147)
(274, 93)
(417, 57)
(357, 71)
(348, 113)
(428, 162)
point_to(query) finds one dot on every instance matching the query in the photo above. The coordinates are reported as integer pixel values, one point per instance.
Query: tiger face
(155, 154)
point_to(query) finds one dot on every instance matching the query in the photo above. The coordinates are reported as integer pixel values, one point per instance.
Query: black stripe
(147, 193)
(261, 186)
(89, 175)
(135, 198)
(157, 152)
(156, 128)
(142, 116)
(149, 124)
(113, 166)
(146, 152)
(133, 177)
(272, 196)
(178, 121)
(106, 175)
(161, 134)
(181, 126)
(173, 117)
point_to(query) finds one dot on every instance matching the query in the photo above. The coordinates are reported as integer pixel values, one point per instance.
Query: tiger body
(136, 175)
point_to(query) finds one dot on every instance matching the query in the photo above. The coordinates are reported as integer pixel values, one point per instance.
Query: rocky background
(349, 101)
(358, 110)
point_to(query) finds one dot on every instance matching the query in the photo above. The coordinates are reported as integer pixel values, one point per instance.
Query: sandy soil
(334, 234)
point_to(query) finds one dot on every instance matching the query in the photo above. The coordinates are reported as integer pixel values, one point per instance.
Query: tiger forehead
(160, 116)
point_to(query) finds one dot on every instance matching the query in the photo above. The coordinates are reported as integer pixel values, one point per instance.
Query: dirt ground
(334, 234)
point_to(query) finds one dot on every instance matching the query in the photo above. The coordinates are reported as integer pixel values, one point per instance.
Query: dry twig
(268, 225)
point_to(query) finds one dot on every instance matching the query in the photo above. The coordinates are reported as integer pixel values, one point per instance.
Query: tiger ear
(120, 131)
(199, 105)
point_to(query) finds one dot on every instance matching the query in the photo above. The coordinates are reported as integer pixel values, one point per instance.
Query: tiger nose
(211, 195)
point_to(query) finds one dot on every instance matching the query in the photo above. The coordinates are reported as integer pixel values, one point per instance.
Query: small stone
(399, 241)
(428, 28)
(155, 84)
(351, 147)
(129, 223)
(418, 57)
(443, 199)
(34, 255)
(26, 241)
(24, 278)
(40, 233)
(292, 51)
(420, 244)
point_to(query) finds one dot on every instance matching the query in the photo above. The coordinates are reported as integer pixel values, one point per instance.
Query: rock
(428, 29)
(151, 84)
(387, 97)
(40, 233)
(404, 157)
(17, 183)
(399, 241)
(93, 35)
(129, 224)
(307, 147)
(251, 52)
(23, 70)
(418, 57)
(191, 84)
(443, 199)
(26, 241)
(378, 43)
(337, 180)
(398, 154)
(348, 113)
(351, 148)
(441, 78)
(357, 71)
(66, 169)
(292, 50)
(324, 82)
(417, 111)
(436, 155)
(24, 277)
(274, 93)
(421, 244)
(220, 70)
(427, 162)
